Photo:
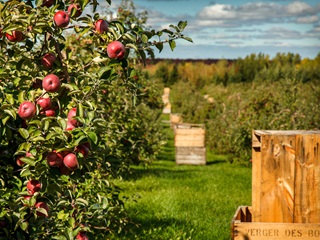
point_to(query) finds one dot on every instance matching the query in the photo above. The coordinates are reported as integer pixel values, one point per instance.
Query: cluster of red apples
(51, 83)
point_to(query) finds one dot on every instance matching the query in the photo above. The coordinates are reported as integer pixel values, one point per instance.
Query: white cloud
(280, 33)
(298, 7)
(308, 19)
(257, 13)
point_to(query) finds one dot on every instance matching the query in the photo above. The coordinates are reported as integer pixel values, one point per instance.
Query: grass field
(169, 201)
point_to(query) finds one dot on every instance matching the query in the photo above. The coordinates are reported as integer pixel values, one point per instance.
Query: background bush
(234, 97)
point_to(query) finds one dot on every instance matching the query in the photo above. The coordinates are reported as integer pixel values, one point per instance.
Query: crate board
(175, 119)
(189, 137)
(167, 109)
(189, 142)
(191, 155)
(286, 176)
(242, 228)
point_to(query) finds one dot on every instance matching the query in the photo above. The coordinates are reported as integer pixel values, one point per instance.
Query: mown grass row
(169, 201)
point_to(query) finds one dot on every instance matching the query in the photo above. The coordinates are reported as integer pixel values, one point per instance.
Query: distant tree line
(254, 67)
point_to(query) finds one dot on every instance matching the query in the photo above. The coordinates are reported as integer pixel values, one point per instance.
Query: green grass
(169, 201)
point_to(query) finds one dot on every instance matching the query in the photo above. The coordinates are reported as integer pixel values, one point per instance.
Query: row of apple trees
(75, 110)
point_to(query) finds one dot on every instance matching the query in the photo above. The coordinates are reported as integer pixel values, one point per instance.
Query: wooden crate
(286, 176)
(242, 228)
(189, 141)
(175, 119)
(167, 109)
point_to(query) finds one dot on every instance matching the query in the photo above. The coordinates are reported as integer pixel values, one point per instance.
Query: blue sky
(237, 28)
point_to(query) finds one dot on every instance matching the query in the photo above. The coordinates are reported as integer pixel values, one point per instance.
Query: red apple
(87, 144)
(82, 149)
(82, 236)
(61, 19)
(77, 11)
(44, 103)
(27, 197)
(49, 112)
(54, 159)
(71, 161)
(0, 32)
(15, 36)
(51, 83)
(19, 162)
(69, 126)
(28, 154)
(47, 3)
(116, 50)
(72, 113)
(101, 26)
(33, 186)
(27, 110)
(48, 60)
(44, 206)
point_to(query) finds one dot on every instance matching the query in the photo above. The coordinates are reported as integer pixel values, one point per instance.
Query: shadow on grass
(155, 228)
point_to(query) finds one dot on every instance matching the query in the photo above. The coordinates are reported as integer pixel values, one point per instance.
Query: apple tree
(74, 107)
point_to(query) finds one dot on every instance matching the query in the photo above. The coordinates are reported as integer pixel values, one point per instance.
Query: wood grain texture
(285, 176)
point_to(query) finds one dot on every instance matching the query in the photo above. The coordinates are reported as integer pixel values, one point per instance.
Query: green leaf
(21, 96)
(62, 215)
(172, 44)
(38, 139)
(25, 172)
(103, 70)
(80, 110)
(143, 55)
(182, 25)
(130, 45)
(5, 119)
(93, 136)
(144, 38)
(28, 160)
(81, 201)
(62, 122)
(9, 98)
(24, 133)
(159, 45)
(187, 38)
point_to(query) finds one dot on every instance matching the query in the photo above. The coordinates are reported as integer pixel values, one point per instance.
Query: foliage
(234, 97)
(115, 122)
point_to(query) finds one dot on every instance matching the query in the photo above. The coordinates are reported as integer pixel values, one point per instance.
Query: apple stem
(42, 94)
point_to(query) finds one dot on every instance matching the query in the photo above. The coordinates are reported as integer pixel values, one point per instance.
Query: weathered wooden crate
(167, 109)
(189, 141)
(175, 118)
(244, 229)
(286, 176)
(285, 188)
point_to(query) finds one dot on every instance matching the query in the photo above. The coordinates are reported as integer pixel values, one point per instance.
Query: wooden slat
(243, 229)
(190, 150)
(192, 137)
(190, 131)
(307, 191)
(256, 179)
(191, 155)
(286, 176)
(277, 179)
